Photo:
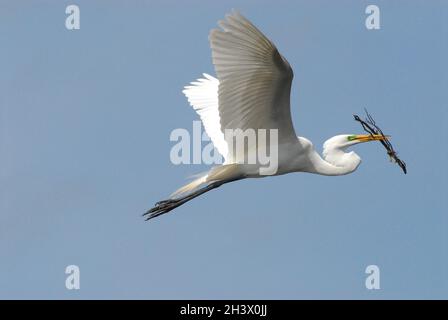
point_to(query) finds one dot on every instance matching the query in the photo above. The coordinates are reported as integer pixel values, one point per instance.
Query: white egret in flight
(252, 91)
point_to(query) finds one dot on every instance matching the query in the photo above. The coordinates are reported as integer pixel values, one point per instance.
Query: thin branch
(372, 128)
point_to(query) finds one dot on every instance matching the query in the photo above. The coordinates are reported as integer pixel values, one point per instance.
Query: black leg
(165, 206)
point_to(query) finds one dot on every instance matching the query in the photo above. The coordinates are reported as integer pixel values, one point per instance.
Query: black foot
(161, 207)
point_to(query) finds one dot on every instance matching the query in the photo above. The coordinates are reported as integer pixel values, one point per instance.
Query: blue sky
(85, 119)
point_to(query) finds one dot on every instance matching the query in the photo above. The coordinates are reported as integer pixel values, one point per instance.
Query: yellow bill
(367, 137)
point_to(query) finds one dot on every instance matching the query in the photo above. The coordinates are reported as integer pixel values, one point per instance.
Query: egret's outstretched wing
(203, 97)
(254, 79)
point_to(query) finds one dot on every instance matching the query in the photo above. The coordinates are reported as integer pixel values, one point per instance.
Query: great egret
(252, 90)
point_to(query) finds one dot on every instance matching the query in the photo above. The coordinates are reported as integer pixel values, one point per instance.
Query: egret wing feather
(203, 97)
(254, 79)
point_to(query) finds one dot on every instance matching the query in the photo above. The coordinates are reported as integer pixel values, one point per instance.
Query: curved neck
(335, 162)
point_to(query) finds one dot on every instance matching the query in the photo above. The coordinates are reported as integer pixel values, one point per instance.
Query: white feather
(203, 97)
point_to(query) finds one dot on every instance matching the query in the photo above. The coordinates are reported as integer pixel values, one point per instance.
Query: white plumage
(202, 95)
(252, 91)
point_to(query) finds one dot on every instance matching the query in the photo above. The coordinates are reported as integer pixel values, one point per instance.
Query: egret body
(252, 91)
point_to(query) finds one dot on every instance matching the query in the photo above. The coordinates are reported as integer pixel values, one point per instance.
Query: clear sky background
(84, 150)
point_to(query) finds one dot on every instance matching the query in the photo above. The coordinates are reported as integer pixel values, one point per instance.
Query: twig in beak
(372, 128)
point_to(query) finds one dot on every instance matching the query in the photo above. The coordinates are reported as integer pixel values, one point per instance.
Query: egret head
(334, 149)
